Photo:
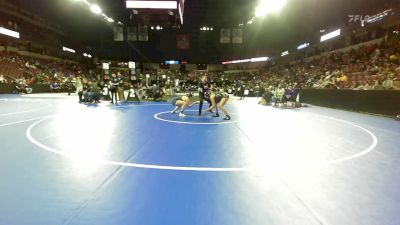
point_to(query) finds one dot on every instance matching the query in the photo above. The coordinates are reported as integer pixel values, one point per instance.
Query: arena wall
(375, 102)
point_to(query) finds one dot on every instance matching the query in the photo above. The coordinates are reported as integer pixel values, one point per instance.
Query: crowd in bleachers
(26, 71)
(370, 67)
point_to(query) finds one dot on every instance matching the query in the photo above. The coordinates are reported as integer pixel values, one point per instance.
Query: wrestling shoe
(216, 115)
(182, 115)
(227, 117)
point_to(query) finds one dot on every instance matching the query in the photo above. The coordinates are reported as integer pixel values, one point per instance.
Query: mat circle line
(185, 168)
(157, 117)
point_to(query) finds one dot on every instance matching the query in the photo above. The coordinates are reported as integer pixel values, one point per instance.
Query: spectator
(2, 79)
(55, 87)
(378, 85)
(94, 94)
(388, 82)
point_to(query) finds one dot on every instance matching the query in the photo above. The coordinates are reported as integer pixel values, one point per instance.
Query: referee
(204, 90)
(114, 83)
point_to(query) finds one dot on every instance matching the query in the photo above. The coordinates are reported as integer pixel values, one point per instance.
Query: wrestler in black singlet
(220, 96)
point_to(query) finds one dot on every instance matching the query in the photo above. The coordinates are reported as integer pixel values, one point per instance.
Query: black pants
(114, 95)
(70, 88)
(202, 99)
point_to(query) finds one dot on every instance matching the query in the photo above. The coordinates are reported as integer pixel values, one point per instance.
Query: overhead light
(269, 7)
(120, 23)
(212, 28)
(241, 61)
(302, 46)
(208, 28)
(285, 53)
(151, 4)
(180, 10)
(330, 35)
(8, 32)
(260, 12)
(259, 59)
(95, 9)
(65, 49)
(321, 31)
(152, 28)
(172, 62)
(250, 21)
(87, 55)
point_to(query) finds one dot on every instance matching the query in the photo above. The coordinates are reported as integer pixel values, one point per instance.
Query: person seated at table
(55, 87)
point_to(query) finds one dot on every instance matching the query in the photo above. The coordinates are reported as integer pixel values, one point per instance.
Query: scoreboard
(158, 7)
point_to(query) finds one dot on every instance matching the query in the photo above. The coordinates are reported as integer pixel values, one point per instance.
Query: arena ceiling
(300, 21)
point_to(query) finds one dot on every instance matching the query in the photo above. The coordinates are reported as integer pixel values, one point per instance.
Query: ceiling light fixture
(95, 9)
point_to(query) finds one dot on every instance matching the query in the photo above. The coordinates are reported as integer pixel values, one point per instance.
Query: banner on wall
(118, 33)
(225, 36)
(143, 33)
(183, 41)
(237, 36)
(132, 34)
